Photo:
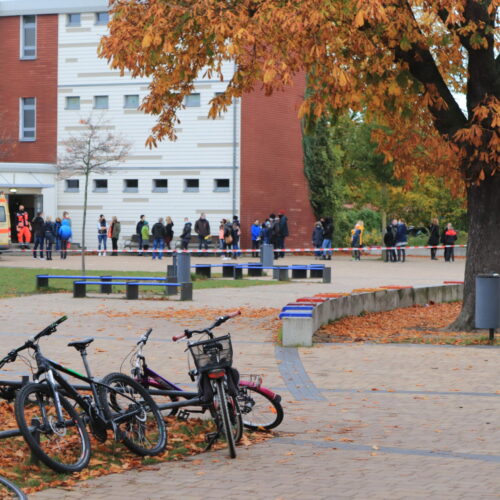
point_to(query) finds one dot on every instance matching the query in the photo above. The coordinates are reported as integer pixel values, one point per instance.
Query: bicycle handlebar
(145, 337)
(29, 343)
(221, 319)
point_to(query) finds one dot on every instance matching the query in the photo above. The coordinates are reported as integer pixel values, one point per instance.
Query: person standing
(158, 233)
(102, 234)
(433, 237)
(23, 227)
(138, 232)
(255, 233)
(401, 240)
(65, 234)
(235, 233)
(50, 232)
(145, 237)
(58, 223)
(202, 229)
(390, 241)
(169, 231)
(283, 222)
(357, 239)
(274, 234)
(114, 231)
(186, 234)
(37, 226)
(222, 243)
(449, 237)
(318, 238)
(228, 238)
(327, 225)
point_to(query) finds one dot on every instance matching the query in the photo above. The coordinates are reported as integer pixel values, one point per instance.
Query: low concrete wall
(298, 331)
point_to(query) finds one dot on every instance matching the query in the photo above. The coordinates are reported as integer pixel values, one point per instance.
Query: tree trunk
(483, 246)
(85, 193)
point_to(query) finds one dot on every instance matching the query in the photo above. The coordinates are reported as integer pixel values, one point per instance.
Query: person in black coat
(390, 241)
(433, 237)
(283, 227)
(186, 234)
(50, 233)
(317, 239)
(327, 224)
(37, 227)
(158, 232)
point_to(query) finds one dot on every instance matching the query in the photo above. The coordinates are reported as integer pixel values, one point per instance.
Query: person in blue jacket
(401, 240)
(65, 235)
(255, 230)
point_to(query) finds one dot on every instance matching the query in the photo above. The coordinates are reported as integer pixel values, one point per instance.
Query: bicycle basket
(211, 354)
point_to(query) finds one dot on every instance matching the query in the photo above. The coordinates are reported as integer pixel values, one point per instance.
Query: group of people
(447, 236)
(45, 233)
(273, 231)
(396, 238)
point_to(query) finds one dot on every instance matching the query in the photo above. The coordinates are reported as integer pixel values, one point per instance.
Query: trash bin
(488, 302)
(266, 255)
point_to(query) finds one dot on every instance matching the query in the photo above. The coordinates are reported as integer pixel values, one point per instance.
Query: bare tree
(92, 151)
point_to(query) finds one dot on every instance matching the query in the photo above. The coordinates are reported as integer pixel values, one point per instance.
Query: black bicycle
(54, 428)
(10, 490)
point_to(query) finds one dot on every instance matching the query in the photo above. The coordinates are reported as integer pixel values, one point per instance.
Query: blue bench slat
(295, 315)
(154, 284)
(100, 283)
(297, 308)
(110, 278)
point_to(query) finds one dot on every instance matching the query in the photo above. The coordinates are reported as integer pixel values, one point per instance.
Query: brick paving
(391, 421)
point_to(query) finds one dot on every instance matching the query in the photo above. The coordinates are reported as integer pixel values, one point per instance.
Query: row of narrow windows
(158, 185)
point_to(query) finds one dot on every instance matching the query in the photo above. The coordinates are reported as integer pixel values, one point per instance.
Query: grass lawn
(16, 281)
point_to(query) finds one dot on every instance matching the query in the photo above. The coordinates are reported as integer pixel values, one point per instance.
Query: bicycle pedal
(210, 437)
(183, 415)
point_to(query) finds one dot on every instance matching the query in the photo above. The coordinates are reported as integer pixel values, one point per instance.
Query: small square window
(100, 185)
(72, 102)
(101, 102)
(101, 18)
(221, 185)
(73, 20)
(160, 185)
(131, 101)
(72, 186)
(191, 185)
(131, 185)
(192, 101)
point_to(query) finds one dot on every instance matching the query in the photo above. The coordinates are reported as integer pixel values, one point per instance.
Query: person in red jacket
(449, 237)
(23, 227)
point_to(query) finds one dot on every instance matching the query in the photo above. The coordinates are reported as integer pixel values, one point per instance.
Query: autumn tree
(92, 151)
(400, 61)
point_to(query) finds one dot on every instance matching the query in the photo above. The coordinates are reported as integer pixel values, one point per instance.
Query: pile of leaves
(185, 438)
(416, 324)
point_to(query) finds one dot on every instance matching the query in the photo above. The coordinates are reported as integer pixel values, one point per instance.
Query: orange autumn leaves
(410, 324)
(399, 62)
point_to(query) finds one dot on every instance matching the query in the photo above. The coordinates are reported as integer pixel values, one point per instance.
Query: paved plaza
(361, 421)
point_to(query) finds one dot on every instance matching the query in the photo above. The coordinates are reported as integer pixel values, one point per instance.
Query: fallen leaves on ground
(416, 324)
(185, 438)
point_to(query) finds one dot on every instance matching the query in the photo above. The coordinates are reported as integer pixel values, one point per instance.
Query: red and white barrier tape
(250, 250)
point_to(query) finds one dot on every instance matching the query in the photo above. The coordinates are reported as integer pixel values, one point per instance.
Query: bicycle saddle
(80, 345)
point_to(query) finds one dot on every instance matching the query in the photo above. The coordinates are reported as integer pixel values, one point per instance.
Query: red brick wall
(272, 164)
(30, 78)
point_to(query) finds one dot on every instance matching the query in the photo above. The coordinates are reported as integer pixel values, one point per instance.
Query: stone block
(297, 332)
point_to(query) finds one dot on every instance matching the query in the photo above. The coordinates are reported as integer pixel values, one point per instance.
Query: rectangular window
(28, 37)
(221, 185)
(3, 215)
(100, 185)
(192, 101)
(191, 185)
(101, 102)
(131, 101)
(160, 185)
(72, 186)
(73, 20)
(131, 185)
(72, 102)
(28, 119)
(101, 18)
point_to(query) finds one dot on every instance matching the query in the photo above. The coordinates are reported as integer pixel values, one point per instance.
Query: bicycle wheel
(143, 431)
(259, 410)
(10, 490)
(63, 448)
(222, 409)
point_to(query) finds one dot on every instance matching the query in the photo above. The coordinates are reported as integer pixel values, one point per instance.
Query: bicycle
(10, 490)
(54, 429)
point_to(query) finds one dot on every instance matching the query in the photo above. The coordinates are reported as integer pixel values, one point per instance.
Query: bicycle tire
(223, 409)
(35, 401)
(11, 488)
(274, 414)
(112, 405)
